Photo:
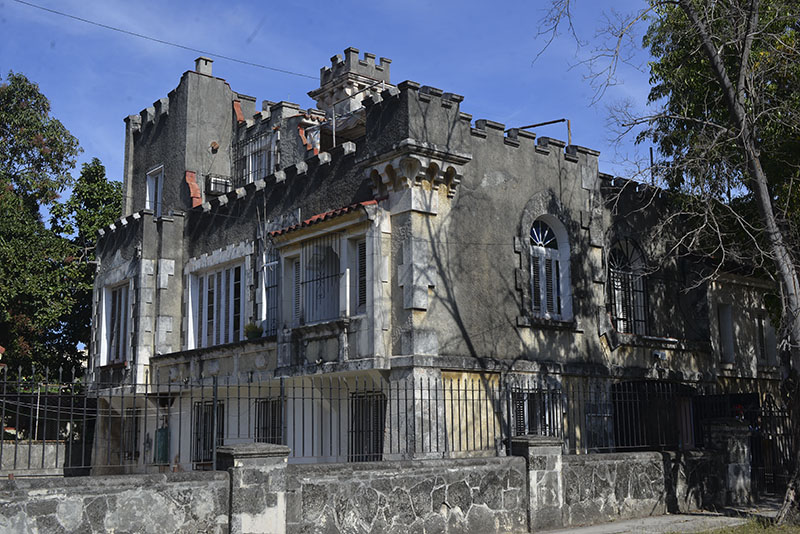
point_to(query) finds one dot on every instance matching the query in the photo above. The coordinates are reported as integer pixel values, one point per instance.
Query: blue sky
(482, 50)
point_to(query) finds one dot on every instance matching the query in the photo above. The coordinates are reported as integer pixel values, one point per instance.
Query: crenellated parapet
(349, 80)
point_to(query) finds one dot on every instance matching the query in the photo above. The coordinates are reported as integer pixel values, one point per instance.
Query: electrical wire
(164, 42)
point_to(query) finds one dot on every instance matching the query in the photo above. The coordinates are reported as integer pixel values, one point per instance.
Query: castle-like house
(291, 275)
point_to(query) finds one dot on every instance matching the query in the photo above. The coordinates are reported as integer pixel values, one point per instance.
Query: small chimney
(202, 65)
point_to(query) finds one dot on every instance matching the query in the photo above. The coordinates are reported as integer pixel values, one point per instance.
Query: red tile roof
(323, 217)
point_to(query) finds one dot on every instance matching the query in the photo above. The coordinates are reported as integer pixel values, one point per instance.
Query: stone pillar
(415, 428)
(545, 479)
(731, 437)
(258, 487)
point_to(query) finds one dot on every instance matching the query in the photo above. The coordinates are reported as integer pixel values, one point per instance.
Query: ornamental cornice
(412, 163)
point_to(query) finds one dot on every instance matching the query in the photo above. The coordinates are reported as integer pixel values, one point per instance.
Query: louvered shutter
(536, 284)
(362, 273)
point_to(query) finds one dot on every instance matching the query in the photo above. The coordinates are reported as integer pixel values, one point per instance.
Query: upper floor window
(627, 288)
(269, 295)
(255, 157)
(327, 280)
(319, 276)
(549, 270)
(155, 183)
(219, 306)
(117, 318)
(726, 339)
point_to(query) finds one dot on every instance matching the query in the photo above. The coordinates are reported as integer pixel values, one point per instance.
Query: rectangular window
(296, 291)
(269, 421)
(761, 338)
(725, 321)
(130, 436)
(117, 338)
(220, 306)
(155, 179)
(367, 419)
(537, 412)
(255, 157)
(361, 273)
(269, 297)
(320, 279)
(208, 431)
(545, 283)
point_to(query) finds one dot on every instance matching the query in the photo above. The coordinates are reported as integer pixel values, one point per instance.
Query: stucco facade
(408, 240)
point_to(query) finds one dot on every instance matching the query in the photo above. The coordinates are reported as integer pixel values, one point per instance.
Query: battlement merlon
(352, 64)
(345, 84)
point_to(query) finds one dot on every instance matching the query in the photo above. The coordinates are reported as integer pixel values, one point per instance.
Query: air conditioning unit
(218, 185)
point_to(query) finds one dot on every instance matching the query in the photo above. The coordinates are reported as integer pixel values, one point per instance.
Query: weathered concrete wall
(47, 457)
(474, 495)
(179, 502)
(610, 487)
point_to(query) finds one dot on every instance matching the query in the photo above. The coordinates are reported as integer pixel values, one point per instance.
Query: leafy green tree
(93, 204)
(45, 272)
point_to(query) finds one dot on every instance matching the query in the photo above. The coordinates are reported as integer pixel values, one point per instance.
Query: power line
(164, 42)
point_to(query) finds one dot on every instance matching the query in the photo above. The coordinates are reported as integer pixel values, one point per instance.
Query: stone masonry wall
(147, 504)
(443, 496)
(610, 487)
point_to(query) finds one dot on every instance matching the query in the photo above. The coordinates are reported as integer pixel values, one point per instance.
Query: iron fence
(66, 425)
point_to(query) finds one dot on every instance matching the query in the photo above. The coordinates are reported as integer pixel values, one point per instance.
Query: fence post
(732, 438)
(545, 479)
(257, 487)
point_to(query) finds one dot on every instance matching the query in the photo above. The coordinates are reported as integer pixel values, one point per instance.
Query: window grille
(255, 158)
(269, 421)
(627, 289)
(130, 435)
(204, 423)
(537, 412)
(367, 419)
(319, 280)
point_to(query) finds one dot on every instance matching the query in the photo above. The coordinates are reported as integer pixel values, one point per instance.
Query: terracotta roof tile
(323, 217)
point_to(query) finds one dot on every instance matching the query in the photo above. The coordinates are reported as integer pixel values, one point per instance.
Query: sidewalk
(660, 524)
(766, 508)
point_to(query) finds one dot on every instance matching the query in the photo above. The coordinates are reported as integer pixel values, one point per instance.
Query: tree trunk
(787, 273)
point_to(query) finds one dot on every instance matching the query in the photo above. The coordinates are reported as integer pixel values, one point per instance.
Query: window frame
(559, 258)
(627, 298)
(224, 305)
(154, 185)
(117, 316)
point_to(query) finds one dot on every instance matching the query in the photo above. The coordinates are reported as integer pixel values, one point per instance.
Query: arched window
(549, 271)
(627, 288)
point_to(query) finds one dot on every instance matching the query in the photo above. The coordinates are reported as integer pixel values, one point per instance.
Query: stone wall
(466, 495)
(610, 487)
(174, 502)
(695, 480)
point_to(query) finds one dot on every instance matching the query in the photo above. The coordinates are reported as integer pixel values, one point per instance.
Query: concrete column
(732, 438)
(545, 479)
(415, 415)
(258, 487)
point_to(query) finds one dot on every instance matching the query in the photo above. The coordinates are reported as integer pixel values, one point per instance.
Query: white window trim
(154, 185)
(106, 327)
(234, 254)
(224, 313)
(562, 256)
